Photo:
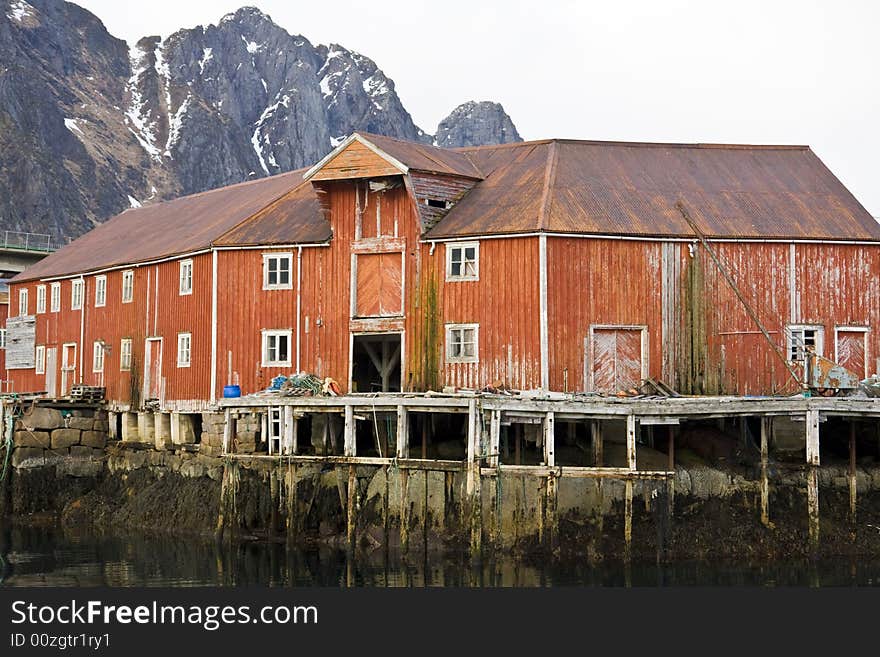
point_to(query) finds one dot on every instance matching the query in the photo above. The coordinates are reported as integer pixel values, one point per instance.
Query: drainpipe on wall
(214, 325)
(299, 255)
(545, 340)
(82, 326)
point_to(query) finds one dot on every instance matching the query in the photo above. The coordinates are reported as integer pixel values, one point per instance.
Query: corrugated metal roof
(732, 191)
(187, 224)
(422, 157)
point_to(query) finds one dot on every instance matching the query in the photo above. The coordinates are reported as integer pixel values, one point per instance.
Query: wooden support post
(350, 443)
(403, 493)
(473, 479)
(264, 428)
(551, 503)
(670, 465)
(292, 517)
(426, 421)
(494, 438)
(813, 504)
(596, 440)
(852, 472)
(627, 520)
(351, 514)
(402, 432)
(812, 437)
(766, 427)
(294, 439)
(632, 426)
(227, 431)
(287, 441)
(549, 436)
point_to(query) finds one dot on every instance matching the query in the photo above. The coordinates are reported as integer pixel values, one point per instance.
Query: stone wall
(71, 440)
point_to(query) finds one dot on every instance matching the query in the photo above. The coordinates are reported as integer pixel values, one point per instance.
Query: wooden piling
(403, 493)
(402, 432)
(670, 465)
(812, 451)
(473, 480)
(351, 512)
(852, 472)
(766, 427)
(631, 432)
(350, 441)
(627, 520)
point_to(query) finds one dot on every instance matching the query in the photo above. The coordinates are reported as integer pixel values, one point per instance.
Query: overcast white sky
(750, 71)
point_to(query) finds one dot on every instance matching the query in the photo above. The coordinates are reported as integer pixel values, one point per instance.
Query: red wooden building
(560, 265)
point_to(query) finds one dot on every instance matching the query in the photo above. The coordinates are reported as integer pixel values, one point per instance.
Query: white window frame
(98, 357)
(451, 247)
(125, 354)
(450, 330)
(790, 345)
(186, 277)
(41, 299)
(2, 338)
(22, 302)
(77, 293)
(276, 333)
(55, 298)
(128, 286)
(40, 359)
(100, 291)
(267, 257)
(184, 349)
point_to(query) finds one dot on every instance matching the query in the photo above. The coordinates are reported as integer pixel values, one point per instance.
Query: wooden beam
(812, 437)
(494, 438)
(549, 435)
(766, 428)
(402, 432)
(596, 442)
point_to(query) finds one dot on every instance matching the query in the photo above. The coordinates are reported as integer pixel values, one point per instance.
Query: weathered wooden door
(52, 371)
(851, 351)
(153, 368)
(379, 280)
(616, 358)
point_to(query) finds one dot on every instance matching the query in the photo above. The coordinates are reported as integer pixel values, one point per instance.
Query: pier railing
(12, 239)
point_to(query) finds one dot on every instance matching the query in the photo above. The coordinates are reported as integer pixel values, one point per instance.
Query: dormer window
(438, 203)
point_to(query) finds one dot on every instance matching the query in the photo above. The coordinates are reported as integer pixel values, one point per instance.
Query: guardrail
(12, 239)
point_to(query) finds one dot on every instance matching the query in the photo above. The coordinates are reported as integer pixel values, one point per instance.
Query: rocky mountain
(89, 126)
(476, 124)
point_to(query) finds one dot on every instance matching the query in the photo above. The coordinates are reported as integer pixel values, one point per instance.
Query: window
(100, 292)
(56, 298)
(461, 343)
(40, 360)
(2, 338)
(437, 203)
(276, 271)
(127, 286)
(41, 299)
(76, 295)
(125, 354)
(98, 357)
(186, 277)
(801, 338)
(22, 303)
(276, 348)
(184, 349)
(463, 262)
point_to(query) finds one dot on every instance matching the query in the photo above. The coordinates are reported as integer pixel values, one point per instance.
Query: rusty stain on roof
(621, 188)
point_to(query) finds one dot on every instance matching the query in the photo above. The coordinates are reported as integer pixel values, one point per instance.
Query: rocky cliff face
(476, 124)
(89, 126)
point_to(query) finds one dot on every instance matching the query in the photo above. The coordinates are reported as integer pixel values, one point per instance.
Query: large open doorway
(375, 362)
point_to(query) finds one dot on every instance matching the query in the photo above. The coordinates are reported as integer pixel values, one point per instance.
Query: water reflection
(39, 556)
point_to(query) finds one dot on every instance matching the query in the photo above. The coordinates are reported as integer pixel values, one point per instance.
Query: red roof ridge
(635, 144)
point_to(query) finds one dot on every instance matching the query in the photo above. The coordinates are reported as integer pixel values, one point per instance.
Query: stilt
(404, 509)
(350, 445)
(632, 426)
(596, 440)
(549, 439)
(473, 480)
(292, 518)
(227, 431)
(627, 520)
(766, 427)
(812, 450)
(551, 501)
(494, 439)
(402, 432)
(351, 513)
(852, 472)
(670, 465)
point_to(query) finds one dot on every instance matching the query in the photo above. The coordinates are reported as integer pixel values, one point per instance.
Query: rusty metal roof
(588, 187)
(422, 157)
(188, 224)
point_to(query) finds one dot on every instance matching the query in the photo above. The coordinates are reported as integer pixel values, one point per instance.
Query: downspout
(213, 325)
(82, 326)
(545, 331)
(299, 256)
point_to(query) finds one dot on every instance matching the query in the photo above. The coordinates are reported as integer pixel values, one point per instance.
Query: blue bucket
(232, 391)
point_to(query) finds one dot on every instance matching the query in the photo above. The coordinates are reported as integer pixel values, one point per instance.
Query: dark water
(41, 556)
